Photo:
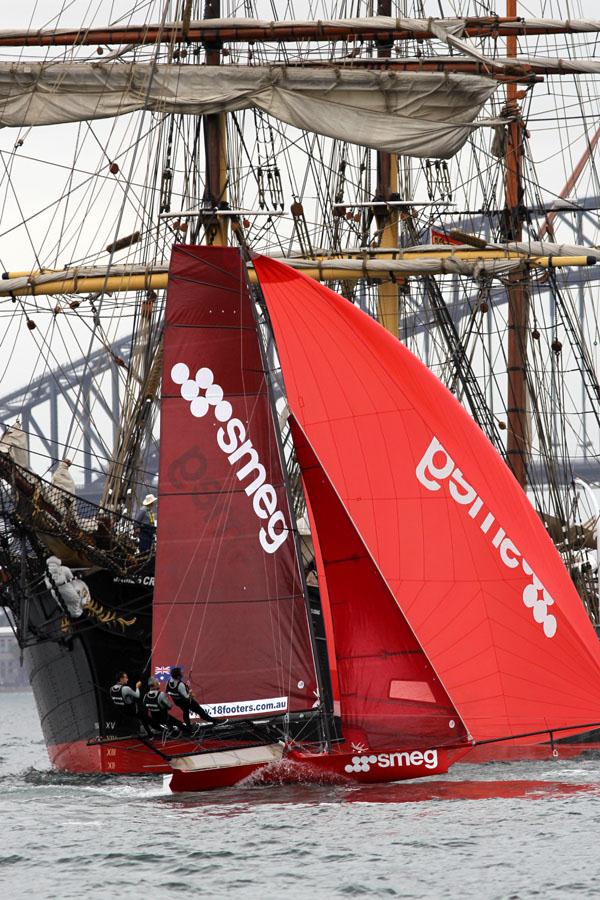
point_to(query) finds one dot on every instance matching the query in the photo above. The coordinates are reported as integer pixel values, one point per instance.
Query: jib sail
(389, 693)
(228, 601)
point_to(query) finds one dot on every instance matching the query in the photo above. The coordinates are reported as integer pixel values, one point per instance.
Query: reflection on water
(471, 833)
(234, 800)
(469, 790)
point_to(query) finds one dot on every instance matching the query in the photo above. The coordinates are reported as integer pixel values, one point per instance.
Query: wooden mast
(387, 218)
(215, 146)
(518, 438)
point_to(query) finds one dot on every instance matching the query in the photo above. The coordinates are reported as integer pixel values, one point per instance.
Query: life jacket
(151, 701)
(116, 695)
(173, 688)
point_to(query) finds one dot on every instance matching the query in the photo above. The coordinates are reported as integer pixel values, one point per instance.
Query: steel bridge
(38, 402)
(78, 380)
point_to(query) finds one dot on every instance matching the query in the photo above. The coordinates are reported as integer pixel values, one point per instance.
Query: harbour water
(500, 830)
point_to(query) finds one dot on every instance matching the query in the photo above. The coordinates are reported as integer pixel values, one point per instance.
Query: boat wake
(288, 771)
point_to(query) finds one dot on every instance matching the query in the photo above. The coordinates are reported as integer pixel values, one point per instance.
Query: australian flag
(163, 673)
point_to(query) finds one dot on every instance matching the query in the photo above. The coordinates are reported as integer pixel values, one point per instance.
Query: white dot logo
(201, 392)
(180, 373)
(204, 378)
(537, 598)
(361, 764)
(199, 407)
(189, 390)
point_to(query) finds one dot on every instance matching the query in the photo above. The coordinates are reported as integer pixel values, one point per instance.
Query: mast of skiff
(518, 432)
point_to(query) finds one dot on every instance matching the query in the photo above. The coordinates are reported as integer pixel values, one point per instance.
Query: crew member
(157, 705)
(182, 697)
(127, 701)
(146, 520)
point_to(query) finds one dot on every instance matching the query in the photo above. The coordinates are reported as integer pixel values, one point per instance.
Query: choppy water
(496, 831)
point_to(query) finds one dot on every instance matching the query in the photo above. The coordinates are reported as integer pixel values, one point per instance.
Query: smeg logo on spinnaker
(437, 466)
(202, 393)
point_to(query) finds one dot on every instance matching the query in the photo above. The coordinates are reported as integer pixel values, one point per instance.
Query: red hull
(210, 779)
(375, 767)
(334, 768)
(130, 757)
(134, 758)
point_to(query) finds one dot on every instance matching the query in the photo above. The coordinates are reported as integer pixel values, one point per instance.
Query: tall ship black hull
(71, 675)
(72, 656)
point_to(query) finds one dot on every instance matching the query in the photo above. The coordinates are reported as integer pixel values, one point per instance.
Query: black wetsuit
(157, 706)
(178, 692)
(126, 700)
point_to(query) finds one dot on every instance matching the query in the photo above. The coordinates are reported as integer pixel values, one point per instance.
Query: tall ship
(433, 165)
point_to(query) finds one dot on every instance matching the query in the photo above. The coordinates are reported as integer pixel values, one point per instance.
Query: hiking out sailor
(146, 521)
(182, 697)
(127, 701)
(157, 705)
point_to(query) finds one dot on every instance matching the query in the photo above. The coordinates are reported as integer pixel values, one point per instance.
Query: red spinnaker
(389, 694)
(228, 600)
(453, 535)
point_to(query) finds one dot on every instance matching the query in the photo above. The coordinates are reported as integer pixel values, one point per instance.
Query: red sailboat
(449, 618)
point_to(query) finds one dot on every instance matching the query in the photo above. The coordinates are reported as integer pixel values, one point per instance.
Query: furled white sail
(242, 25)
(14, 443)
(425, 114)
(357, 25)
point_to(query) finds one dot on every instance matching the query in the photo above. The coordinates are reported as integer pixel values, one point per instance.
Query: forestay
(453, 535)
(425, 114)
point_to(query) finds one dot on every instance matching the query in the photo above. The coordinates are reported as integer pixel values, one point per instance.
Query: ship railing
(69, 525)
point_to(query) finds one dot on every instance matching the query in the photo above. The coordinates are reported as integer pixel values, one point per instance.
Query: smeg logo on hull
(400, 759)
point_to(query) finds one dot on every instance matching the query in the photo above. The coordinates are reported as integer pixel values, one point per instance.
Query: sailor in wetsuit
(157, 705)
(182, 697)
(126, 700)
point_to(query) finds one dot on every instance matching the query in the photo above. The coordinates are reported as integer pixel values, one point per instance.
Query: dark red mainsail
(228, 599)
(452, 534)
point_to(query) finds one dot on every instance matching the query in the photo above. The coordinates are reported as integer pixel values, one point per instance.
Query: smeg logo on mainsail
(202, 393)
(430, 474)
